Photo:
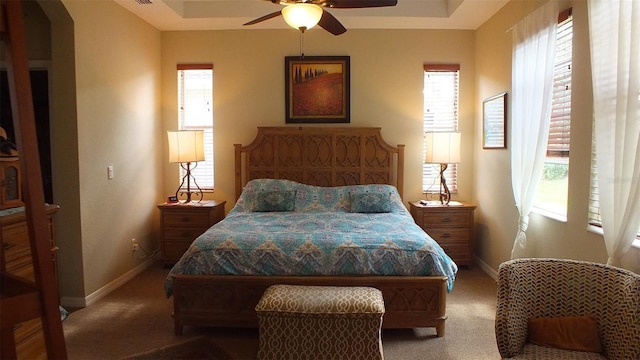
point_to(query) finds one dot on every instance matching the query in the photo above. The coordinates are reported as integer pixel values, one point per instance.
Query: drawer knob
(446, 220)
(7, 246)
(446, 235)
(185, 219)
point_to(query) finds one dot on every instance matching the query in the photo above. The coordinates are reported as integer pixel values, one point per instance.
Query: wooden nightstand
(181, 223)
(451, 226)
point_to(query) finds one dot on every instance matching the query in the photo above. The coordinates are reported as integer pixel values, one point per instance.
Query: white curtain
(534, 40)
(614, 29)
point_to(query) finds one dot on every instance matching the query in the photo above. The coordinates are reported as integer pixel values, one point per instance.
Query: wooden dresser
(181, 223)
(16, 259)
(451, 226)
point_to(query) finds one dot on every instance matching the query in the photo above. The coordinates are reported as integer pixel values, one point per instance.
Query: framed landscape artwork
(494, 124)
(317, 89)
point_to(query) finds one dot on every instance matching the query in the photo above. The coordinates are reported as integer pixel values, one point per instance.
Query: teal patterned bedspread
(321, 236)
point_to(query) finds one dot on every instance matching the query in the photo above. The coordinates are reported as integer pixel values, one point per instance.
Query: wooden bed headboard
(321, 156)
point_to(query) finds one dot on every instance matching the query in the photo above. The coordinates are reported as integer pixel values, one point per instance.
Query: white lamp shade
(302, 15)
(186, 145)
(442, 147)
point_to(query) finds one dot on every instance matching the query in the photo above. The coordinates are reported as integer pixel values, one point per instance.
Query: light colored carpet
(136, 318)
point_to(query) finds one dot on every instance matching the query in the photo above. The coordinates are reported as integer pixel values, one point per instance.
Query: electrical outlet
(134, 245)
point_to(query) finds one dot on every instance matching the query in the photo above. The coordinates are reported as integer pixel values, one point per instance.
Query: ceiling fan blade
(263, 18)
(353, 4)
(331, 24)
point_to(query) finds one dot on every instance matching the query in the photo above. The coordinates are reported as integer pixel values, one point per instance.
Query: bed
(298, 190)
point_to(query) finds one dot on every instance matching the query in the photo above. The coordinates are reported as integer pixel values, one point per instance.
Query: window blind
(560, 126)
(440, 113)
(195, 112)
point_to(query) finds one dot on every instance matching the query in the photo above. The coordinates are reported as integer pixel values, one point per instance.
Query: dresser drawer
(185, 218)
(449, 235)
(15, 243)
(449, 218)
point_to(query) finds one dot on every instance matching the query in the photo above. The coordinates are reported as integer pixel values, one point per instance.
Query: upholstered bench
(320, 322)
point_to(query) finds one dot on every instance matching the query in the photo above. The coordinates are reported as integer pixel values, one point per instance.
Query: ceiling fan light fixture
(302, 16)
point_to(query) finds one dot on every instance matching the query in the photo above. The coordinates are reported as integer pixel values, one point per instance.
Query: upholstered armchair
(554, 288)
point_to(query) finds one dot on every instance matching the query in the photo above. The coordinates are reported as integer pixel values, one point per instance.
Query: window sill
(598, 230)
(549, 214)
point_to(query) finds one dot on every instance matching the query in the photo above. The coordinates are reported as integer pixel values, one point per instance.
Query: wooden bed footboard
(230, 300)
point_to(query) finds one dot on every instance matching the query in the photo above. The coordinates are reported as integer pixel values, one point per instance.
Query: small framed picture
(494, 122)
(317, 89)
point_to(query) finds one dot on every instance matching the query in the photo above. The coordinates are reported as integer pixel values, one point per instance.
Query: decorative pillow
(370, 202)
(578, 333)
(275, 201)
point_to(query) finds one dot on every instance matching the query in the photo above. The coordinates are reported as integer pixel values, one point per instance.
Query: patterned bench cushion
(321, 300)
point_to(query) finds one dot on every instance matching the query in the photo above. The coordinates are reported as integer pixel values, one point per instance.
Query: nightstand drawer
(459, 253)
(174, 250)
(182, 234)
(449, 235)
(450, 218)
(185, 218)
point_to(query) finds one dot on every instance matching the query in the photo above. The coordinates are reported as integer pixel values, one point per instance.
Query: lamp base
(188, 178)
(445, 194)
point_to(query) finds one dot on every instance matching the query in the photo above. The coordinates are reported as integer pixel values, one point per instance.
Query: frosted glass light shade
(302, 15)
(442, 148)
(186, 145)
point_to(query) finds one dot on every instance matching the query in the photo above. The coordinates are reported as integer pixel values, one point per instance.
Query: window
(553, 191)
(594, 197)
(441, 83)
(195, 112)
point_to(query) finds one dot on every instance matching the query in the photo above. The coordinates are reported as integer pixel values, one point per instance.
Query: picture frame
(317, 89)
(494, 122)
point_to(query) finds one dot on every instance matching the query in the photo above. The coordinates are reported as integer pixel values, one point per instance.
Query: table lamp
(443, 148)
(186, 147)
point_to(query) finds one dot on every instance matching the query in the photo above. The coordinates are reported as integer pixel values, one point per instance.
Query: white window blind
(195, 112)
(552, 196)
(441, 89)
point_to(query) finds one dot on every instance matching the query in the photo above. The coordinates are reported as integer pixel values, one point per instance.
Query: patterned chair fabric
(529, 288)
(320, 322)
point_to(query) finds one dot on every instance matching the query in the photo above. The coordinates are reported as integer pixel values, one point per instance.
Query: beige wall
(496, 215)
(117, 83)
(114, 91)
(386, 88)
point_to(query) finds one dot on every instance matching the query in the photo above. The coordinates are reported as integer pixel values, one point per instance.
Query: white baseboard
(486, 268)
(79, 302)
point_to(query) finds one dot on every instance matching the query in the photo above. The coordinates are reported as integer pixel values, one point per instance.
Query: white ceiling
(168, 15)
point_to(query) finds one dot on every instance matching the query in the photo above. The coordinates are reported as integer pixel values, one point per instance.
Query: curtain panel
(534, 39)
(614, 30)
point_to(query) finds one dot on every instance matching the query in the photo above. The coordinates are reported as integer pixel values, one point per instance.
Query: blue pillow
(370, 203)
(275, 201)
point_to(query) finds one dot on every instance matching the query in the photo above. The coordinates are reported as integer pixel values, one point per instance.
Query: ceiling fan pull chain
(302, 29)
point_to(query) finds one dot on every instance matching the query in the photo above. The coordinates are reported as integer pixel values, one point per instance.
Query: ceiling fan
(296, 11)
